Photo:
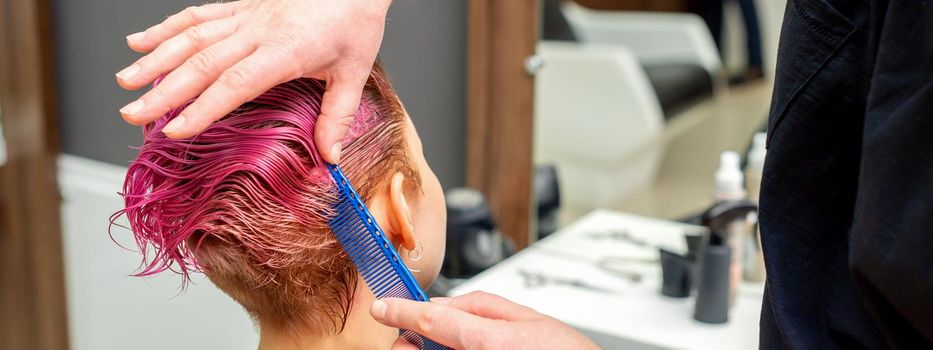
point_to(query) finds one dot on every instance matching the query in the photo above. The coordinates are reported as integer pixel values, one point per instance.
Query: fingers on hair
(247, 201)
(191, 78)
(340, 102)
(242, 82)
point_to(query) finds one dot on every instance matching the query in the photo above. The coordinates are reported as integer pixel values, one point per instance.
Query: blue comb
(372, 254)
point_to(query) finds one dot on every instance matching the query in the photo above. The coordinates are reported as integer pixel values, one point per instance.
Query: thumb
(492, 306)
(341, 101)
(440, 323)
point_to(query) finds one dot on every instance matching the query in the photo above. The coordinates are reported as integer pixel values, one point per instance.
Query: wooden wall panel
(32, 284)
(502, 34)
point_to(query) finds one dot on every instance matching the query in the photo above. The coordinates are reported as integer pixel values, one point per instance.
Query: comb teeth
(369, 249)
(367, 246)
(356, 237)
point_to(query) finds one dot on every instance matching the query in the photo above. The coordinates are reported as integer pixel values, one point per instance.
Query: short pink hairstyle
(248, 200)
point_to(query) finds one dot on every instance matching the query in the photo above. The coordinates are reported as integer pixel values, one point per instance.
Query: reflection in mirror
(633, 106)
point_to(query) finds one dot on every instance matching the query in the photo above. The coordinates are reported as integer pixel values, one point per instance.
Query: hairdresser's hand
(478, 321)
(230, 53)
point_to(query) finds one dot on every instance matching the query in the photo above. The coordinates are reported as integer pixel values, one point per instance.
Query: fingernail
(133, 108)
(174, 125)
(135, 37)
(378, 310)
(442, 300)
(335, 152)
(128, 72)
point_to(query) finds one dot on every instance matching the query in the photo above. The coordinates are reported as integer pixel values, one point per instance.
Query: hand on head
(478, 321)
(226, 54)
(230, 53)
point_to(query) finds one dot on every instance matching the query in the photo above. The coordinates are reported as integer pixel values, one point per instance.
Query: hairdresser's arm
(478, 321)
(229, 53)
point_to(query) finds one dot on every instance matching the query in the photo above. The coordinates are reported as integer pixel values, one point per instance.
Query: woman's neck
(361, 331)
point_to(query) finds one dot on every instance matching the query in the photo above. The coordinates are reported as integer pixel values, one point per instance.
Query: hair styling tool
(372, 254)
(473, 243)
(536, 280)
(718, 280)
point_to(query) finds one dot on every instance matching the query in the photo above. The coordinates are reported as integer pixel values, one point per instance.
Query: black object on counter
(473, 243)
(679, 272)
(547, 199)
(712, 304)
(695, 242)
(721, 214)
(714, 289)
(706, 266)
(675, 274)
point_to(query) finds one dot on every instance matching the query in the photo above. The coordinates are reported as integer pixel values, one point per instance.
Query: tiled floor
(685, 182)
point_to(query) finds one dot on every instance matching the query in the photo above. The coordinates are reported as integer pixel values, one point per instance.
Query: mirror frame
(33, 312)
(500, 106)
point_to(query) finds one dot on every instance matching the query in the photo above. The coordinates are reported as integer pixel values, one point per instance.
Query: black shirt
(847, 194)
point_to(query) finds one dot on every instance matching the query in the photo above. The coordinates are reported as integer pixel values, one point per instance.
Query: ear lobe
(400, 214)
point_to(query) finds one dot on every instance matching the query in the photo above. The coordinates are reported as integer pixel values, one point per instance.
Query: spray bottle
(730, 189)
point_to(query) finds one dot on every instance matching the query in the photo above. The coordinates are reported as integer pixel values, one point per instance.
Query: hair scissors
(537, 280)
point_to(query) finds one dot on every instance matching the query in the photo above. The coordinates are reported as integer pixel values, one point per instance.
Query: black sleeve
(892, 234)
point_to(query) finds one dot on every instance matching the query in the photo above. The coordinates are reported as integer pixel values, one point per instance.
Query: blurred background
(534, 114)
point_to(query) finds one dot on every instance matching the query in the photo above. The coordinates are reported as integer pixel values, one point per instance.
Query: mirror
(634, 104)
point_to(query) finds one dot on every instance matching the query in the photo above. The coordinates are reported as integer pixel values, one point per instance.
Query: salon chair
(597, 119)
(654, 37)
(609, 86)
(676, 50)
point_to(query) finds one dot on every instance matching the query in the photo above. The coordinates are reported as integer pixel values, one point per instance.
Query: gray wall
(424, 51)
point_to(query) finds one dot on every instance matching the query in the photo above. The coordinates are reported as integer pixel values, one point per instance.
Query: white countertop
(615, 311)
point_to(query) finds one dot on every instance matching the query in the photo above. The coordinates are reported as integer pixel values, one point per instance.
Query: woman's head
(248, 201)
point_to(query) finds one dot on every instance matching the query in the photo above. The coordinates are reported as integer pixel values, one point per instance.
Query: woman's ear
(399, 212)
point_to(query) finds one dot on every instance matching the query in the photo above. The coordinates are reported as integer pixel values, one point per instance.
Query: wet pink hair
(248, 200)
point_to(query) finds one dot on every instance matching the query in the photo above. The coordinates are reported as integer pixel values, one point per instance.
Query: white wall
(107, 308)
